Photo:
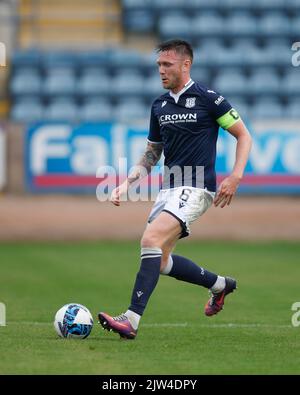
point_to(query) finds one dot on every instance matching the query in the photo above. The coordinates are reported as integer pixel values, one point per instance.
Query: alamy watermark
(2, 54)
(2, 314)
(146, 188)
(296, 55)
(296, 316)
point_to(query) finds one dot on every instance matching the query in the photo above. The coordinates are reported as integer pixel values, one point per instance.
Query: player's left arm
(229, 185)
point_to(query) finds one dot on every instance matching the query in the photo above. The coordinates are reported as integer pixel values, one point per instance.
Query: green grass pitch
(252, 335)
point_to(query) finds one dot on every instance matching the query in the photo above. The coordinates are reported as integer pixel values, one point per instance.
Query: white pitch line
(173, 325)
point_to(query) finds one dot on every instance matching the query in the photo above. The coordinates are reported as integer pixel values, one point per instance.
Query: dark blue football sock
(146, 279)
(185, 270)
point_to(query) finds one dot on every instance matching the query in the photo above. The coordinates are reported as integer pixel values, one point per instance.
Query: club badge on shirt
(190, 102)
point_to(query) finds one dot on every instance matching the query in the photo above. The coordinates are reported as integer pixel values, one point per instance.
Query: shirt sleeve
(221, 110)
(154, 129)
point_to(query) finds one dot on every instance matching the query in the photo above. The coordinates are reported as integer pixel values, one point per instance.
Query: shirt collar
(176, 96)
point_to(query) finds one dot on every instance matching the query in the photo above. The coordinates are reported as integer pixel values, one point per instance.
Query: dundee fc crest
(190, 102)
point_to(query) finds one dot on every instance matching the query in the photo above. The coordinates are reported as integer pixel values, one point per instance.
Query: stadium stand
(242, 49)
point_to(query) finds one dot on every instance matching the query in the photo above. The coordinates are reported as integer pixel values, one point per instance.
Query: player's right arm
(149, 159)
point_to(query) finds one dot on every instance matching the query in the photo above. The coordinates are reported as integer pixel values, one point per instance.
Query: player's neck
(183, 84)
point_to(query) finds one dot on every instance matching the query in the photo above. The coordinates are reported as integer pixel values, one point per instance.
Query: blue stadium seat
(61, 109)
(200, 74)
(208, 53)
(274, 24)
(240, 23)
(167, 5)
(139, 21)
(291, 82)
(292, 5)
(264, 81)
(176, 25)
(60, 59)
(267, 108)
(270, 4)
(27, 109)
(231, 83)
(26, 81)
(125, 58)
(26, 58)
(277, 53)
(240, 54)
(131, 111)
(95, 110)
(202, 4)
(207, 23)
(153, 87)
(295, 26)
(292, 110)
(59, 81)
(237, 4)
(127, 83)
(94, 81)
(91, 58)
(136, 4)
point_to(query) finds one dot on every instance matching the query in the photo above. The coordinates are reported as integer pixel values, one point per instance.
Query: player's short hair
(179, 46)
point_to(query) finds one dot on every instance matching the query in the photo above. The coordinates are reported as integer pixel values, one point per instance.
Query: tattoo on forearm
(149, 159)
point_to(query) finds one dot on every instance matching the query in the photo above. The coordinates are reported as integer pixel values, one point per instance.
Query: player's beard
(172, 83)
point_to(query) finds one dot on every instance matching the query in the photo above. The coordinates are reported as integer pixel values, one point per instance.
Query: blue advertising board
(64, 158)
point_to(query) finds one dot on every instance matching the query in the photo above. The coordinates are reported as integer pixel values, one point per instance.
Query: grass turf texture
(253, 335)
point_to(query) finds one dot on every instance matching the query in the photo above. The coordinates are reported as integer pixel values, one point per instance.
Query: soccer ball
(73, 320)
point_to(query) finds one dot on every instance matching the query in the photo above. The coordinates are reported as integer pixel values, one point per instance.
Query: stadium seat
(27, 109)
(240, 23)
(277, 53)
(200, 74)
(274, 24)
(167, 5)
(295, 26)
(61, 109)
(207, 54)
(59, 59)
(59, 81)
(100, 58)
(207, 23)
(267, 108)
(95, 110)
(26, 81)
(136, 4)
(292, 110)
(291, 82)
(236, 4)
(127, 83)
(240, 53)
(26, 58)
(264, 81)
(175, 25)
(125, 58)
(153, 87)
(231, 82)
(94, 81)
(139, 21)
(131, 111)
(270, 4)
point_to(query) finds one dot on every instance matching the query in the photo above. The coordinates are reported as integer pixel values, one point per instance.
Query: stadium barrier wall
(63, 158)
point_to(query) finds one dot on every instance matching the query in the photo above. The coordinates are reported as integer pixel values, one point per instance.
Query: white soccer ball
(73, 320)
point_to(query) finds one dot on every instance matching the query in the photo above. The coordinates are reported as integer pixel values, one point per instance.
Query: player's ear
(186, 65)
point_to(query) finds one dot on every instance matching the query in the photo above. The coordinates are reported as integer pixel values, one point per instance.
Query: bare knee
(151, 240)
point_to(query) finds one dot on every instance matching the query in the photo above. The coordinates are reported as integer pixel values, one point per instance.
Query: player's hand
(226, 191)
(118, 192)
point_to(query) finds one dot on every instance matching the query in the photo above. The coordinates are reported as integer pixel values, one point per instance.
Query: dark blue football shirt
(187, 123)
